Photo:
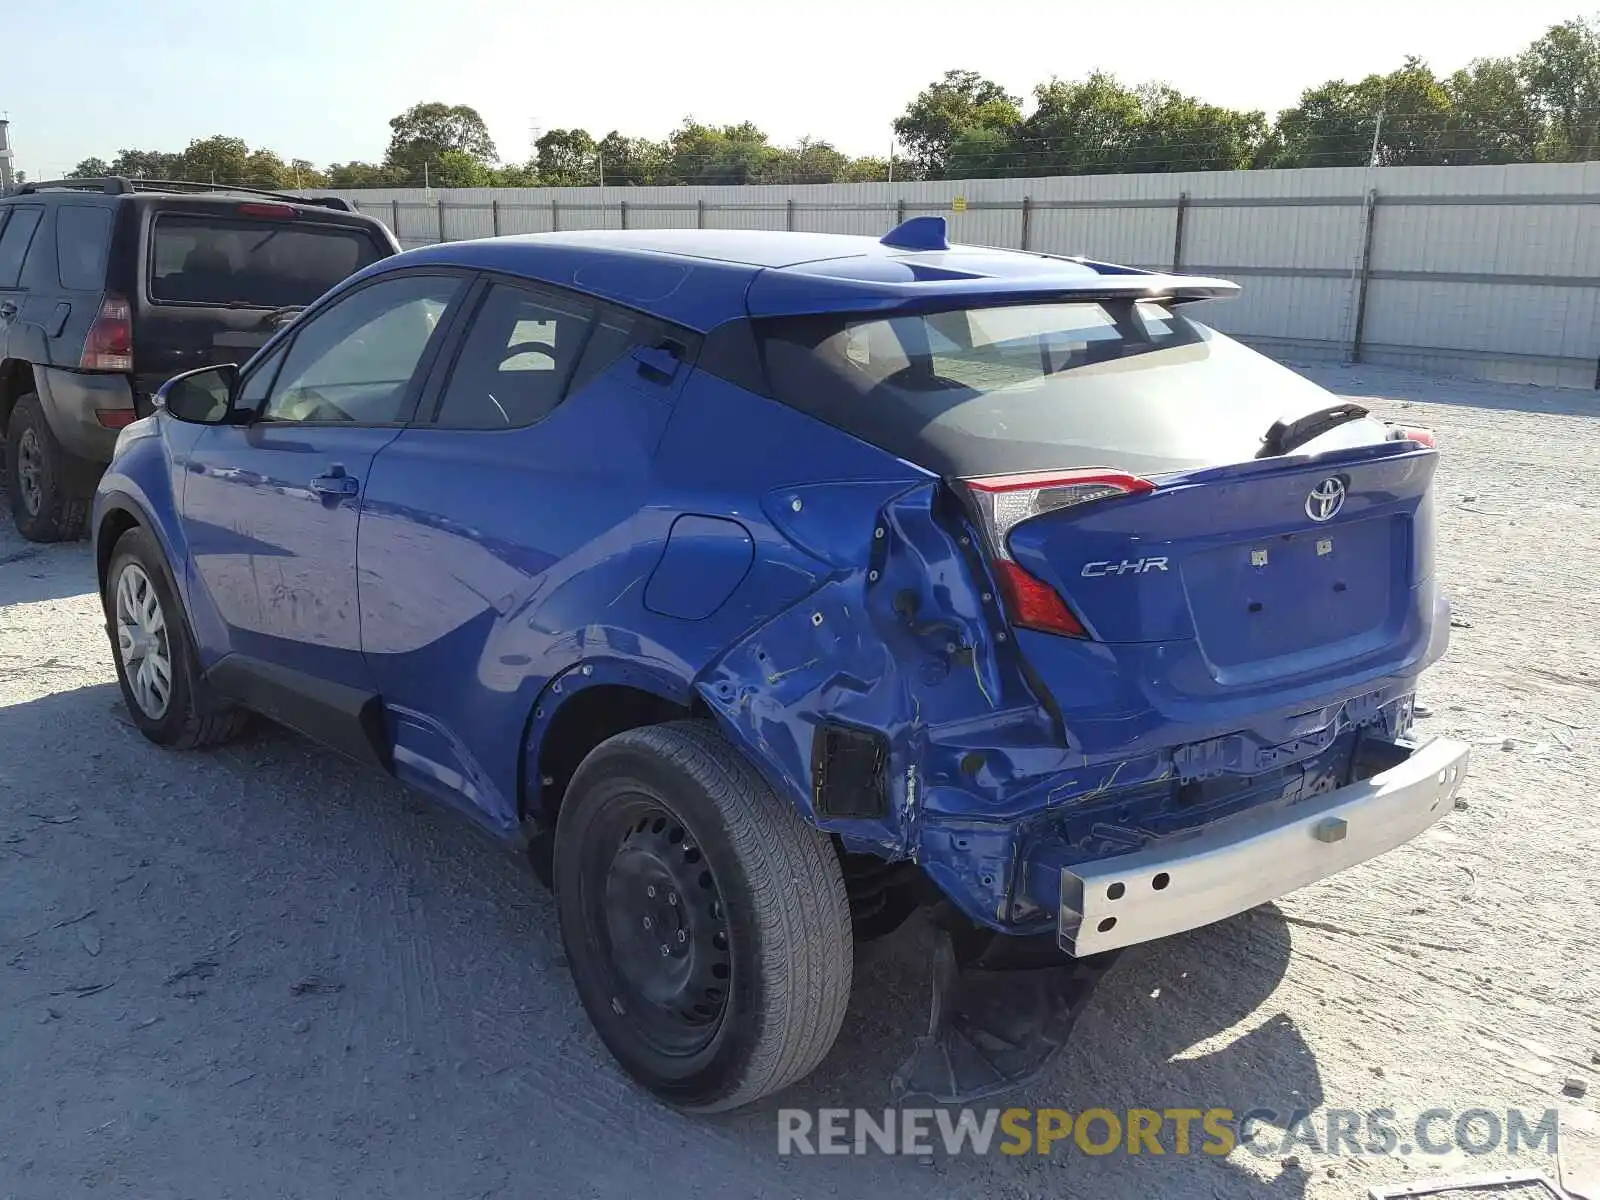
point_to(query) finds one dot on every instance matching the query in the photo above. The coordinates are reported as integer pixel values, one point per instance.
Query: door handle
(335, 483)
(7, 310)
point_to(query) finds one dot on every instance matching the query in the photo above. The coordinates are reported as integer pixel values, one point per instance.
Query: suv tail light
(109, 346)
(1005, 501)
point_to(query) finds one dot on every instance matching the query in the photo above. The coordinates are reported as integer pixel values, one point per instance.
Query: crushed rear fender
(902, 643)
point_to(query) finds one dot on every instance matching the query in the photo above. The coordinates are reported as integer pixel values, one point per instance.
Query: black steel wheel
(706, 924)
(652, 903)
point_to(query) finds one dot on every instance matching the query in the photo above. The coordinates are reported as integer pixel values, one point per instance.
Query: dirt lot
(262, 972)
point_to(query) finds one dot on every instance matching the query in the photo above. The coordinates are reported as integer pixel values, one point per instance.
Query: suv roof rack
(117, 185)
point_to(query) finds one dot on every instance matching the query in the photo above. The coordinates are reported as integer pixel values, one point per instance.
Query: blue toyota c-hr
(768, 587)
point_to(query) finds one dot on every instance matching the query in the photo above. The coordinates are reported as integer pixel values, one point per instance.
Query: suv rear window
(1033, 387)
(254, 264)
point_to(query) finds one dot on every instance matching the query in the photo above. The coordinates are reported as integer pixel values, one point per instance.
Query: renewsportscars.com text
(1218, 1132)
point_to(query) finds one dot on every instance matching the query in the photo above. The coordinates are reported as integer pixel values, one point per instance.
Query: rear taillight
(109, 346)
(1005, 501)
(1408, 433)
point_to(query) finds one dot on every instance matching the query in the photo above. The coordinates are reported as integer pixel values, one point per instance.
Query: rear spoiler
(794, 293)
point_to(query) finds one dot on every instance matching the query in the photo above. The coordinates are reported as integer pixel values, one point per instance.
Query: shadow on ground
(438, 1047)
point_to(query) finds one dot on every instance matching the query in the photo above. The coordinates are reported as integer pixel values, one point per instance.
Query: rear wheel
(155, 659)
(48, 488)
(706, 924)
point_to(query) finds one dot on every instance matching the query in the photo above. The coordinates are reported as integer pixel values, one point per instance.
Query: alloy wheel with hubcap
(143, 641)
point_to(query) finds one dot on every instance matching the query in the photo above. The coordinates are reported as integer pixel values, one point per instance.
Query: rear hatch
(1181, 529)
(1275, 568)
(218, 277)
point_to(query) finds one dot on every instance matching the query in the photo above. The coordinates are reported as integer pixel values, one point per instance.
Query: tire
(49, 489)
(676, 802)
(142, 606)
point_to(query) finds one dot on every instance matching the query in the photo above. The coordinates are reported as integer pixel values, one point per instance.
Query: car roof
(701, 278)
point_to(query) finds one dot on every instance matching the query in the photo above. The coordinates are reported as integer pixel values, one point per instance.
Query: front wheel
(706, 924)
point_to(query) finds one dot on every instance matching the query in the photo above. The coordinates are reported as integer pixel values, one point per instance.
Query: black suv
(110, 286)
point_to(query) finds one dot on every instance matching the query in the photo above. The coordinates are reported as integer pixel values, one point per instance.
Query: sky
(320, 82)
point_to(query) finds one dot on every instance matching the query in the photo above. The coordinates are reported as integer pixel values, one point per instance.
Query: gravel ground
(262, 972)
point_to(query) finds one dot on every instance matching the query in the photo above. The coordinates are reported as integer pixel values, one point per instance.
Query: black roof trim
(116, 185)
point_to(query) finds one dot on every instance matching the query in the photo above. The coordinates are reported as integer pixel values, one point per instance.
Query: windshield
(223, 261)
(982, 391)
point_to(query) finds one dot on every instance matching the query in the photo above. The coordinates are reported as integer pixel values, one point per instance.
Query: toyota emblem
(1326, 499)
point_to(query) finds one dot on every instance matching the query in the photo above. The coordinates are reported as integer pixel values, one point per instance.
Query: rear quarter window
(15, 239)
(224, 261)
(83, 233)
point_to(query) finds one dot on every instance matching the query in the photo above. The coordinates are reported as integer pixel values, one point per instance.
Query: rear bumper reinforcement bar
(1248, 859)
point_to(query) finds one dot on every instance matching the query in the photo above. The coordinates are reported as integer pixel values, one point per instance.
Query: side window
(617, 333)
(612, 338)
(355, 361)
(515, 362)
(14, 242)
(256, 388)
(82, 234)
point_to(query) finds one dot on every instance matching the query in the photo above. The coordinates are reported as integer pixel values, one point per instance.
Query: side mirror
(203, 396)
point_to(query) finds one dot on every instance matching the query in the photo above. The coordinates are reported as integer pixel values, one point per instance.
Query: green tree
(147, 164)
(705, 154)
(425, 133)
(1493, 116)
(1087, 127)
(362, 175)
(811, 162)
(1180, 133)
(264, 169)
(1334, 124)
(514, 175)
(630, 161)
(458, 169)
(566, 158)
(90, 168)
(867, 169)
(1561, 72)
(950, 108)
(304, 174)
(216, 159)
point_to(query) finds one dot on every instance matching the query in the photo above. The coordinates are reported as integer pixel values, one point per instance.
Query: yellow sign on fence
(959, 204)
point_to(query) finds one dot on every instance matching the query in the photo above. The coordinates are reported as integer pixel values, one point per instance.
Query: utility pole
(7, 177)
(891, 160)
(1377, 133)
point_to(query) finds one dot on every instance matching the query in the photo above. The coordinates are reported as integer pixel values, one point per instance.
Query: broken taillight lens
(1411, 433)
(1005, 501)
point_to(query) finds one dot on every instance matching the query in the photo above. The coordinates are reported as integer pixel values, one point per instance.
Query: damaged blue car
(771, 587)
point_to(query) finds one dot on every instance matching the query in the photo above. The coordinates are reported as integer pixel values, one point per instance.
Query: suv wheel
(155, 658)
(49, 489)
(706, 924)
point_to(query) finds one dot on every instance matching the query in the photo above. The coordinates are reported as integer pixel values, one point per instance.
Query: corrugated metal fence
(1492, 272)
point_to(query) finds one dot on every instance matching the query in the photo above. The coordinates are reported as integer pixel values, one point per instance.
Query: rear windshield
(224, 261)
(987, 391)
